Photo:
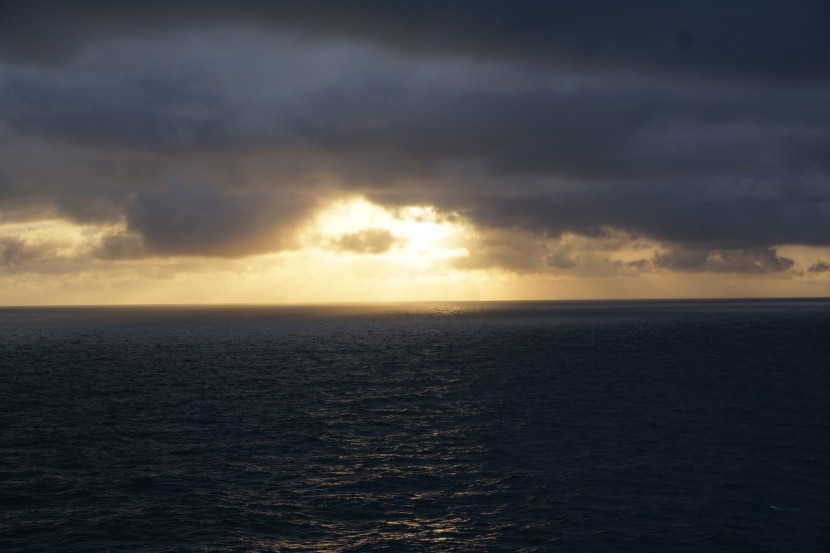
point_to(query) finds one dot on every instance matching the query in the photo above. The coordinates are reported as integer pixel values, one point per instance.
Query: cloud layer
(217, 128)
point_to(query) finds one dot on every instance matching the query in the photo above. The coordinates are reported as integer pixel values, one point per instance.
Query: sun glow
(357, 251)
(412, 234)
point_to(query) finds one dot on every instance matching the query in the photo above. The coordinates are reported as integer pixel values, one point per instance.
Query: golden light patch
(58, 238)
(415, 234)
(354, 250)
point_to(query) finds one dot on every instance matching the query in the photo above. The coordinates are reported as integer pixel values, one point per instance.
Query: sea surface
(687, 426)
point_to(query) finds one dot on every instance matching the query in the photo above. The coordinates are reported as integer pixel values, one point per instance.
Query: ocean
(683, 426)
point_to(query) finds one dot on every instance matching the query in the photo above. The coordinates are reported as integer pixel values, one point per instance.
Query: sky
(251, 151)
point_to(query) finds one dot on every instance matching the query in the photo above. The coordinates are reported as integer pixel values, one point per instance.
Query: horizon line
(398, 302)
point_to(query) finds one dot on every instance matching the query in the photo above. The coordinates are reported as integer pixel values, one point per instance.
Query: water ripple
(462, 427)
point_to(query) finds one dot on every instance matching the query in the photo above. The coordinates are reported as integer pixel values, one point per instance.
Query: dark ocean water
(650, 426)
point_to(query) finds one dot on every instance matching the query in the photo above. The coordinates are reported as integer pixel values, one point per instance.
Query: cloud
(119, 246)
(185, 218)
(607, 254)
(771, 41)
(819, 267)
(512, 249)
(11, 250)
(18, 253)
(756, 260)
(369, 240)
(215, 129)
(613, 254)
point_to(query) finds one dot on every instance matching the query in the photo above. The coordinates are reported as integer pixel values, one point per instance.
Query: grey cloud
(665, 214)
(186, 218)
(767, 40)
(522, 252)
(599, 129)
(11, 250)
(116, 113)
(512, 249)
(16, 251)
(593, 129)
(685, 124)
(119, 246)
(757, 260)
(561, 258)
(369, 240)
(819, 267)
(640, 264)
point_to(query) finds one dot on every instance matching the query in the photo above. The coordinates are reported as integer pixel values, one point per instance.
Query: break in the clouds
(217, 128)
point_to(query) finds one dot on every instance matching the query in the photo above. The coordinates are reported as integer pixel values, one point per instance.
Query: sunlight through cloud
(410, 234)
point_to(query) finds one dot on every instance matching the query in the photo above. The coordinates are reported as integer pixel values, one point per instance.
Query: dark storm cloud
(208, 127)
(666, 215)
(768, 40)
(640, 130)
